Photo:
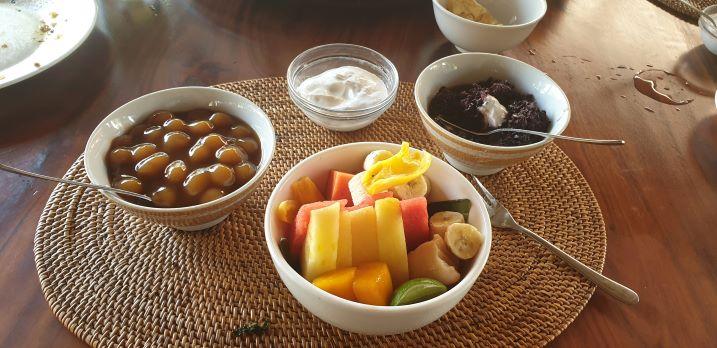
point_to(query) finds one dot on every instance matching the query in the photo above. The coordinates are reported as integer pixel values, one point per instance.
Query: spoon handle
(71, 182)
(564, 137)
(542, 134)
(621, 292)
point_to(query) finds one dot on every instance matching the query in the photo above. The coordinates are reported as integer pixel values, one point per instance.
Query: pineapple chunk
(343, 257)
(322, 239)
(391, 240)
(364, 241)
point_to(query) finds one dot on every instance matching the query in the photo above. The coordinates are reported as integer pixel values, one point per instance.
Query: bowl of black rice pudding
(468, 93)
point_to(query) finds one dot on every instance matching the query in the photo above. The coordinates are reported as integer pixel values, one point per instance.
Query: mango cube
(305, 191)
(287, 210)
(372, 284)
(338, 282)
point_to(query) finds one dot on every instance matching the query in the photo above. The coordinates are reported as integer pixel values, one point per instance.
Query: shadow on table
(53, 98)
(327, 16)
(435, 49)
(140, 32)
(554, 17)
(703, 144)
(699, 67)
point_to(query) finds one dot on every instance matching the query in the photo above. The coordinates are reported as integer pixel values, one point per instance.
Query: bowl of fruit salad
(377, 238)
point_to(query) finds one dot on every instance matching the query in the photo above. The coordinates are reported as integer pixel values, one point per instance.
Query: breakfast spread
(471, 9)
(345, 88)
(487, 105)
(184, 158)
(373, 237)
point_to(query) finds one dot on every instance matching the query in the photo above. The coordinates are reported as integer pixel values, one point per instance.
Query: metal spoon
(701, 12)
(542, 134)
(72, 182)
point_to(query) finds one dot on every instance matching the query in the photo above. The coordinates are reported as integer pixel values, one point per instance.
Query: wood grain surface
(658, 193)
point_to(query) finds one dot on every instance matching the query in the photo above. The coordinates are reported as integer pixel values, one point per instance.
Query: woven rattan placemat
(679, 8)
(115, 280)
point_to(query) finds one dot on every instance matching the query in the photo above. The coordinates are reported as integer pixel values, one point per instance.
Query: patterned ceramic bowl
(476, 158)
(195, 217)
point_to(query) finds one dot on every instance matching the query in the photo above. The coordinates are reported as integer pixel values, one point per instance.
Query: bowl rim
(703, 23)
(486, 25)
(424, 113)
(352, 114)
(278, 259)
(250, 184)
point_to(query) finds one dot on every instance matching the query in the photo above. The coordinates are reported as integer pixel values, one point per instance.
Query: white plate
(36, 34)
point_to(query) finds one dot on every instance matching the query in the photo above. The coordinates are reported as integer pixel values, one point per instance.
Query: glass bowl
(316, 60)
(708, 31)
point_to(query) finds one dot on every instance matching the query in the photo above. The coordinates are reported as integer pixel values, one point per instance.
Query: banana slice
(464, 240)
(357, 190)
(418, 187)
(440, 221)
(375, 156)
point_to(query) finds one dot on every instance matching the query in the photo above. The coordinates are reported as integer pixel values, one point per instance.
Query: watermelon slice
(301, 224)
(414, 212)
(338, 186)
(370, 200)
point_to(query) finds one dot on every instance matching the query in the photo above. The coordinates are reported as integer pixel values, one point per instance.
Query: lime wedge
(417, 290)
(462, 206)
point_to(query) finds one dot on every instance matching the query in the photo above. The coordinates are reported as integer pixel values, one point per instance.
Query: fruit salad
(373, 237)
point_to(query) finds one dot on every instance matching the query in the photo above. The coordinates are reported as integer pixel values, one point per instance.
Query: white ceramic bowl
(357, 317)
(477, 158)
(519, 16)
(195, 217)
(707, 31)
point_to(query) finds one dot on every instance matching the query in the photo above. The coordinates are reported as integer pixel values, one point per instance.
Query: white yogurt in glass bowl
(342, 87)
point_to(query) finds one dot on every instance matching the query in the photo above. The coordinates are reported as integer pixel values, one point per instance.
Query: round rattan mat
(115, 280)
(679, 8)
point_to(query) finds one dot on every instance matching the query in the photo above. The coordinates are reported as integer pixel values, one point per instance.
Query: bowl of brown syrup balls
(196, 152)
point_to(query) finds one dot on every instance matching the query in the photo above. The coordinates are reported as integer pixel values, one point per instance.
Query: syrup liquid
(666, 87)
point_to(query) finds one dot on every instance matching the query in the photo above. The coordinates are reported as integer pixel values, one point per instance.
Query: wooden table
(658, 193)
